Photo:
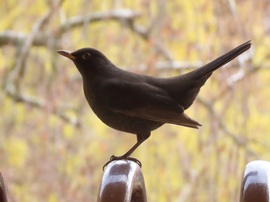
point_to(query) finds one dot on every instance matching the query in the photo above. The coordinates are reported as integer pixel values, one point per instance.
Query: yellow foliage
(12, 15)
(72, 164)
(200, 165)
(16, 151)
(53, 197)
(68, 132)
(21, 192)
(262, 53)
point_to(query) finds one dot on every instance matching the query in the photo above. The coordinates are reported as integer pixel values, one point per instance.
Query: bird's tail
(222, 60)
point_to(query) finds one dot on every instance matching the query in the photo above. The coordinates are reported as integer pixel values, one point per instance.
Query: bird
(137, 103)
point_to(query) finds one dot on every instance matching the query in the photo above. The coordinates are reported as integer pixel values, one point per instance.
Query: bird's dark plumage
(137, 103)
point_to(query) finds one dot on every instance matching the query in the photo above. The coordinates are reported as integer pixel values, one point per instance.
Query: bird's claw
(135, 160)
(114, 158)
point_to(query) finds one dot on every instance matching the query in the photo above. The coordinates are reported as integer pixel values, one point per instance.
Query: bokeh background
(53, 147)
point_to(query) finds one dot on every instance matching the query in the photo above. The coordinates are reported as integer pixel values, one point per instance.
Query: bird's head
(87, 59)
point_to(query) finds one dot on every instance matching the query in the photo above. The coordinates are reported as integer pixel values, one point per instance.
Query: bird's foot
(114, 158)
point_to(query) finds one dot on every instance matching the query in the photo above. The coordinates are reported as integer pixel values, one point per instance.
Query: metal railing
(123, 181)
(256, 182)
(3, 194)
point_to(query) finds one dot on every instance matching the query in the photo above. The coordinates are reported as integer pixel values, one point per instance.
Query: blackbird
(136, 103)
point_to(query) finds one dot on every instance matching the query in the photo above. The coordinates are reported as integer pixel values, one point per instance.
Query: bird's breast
(114, 119)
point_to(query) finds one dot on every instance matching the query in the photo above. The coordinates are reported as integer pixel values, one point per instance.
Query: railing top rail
(3, 194)
(256, 182)
(122, 182)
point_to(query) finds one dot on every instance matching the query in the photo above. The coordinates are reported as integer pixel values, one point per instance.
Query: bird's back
(185, 88)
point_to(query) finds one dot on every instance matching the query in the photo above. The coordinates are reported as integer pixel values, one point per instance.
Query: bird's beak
(66, 54)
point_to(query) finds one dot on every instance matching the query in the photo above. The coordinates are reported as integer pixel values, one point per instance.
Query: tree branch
(41, 104)
(239, 140)
(18, 72)
(41, 39)
(116, 15)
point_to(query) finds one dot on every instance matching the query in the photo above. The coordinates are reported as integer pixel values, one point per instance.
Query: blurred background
(52, 146)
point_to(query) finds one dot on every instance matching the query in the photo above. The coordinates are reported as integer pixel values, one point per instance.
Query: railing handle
(122, 181)
(256, 182)
(3, 194)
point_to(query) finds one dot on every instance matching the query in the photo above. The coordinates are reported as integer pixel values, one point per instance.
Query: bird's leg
(140, 139)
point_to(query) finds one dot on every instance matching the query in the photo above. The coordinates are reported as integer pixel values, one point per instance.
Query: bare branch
(118, 15)
(178, 65)
(41, 39)
(15, 38)
(41, 104)
(172, 65)
(241, 141)
(243, 71)
(19, 69)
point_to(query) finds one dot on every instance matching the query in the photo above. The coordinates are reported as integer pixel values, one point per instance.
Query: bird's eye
(87, 56)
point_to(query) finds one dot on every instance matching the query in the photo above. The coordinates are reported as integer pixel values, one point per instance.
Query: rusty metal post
(256, 182)
(3, 194)
(122, 181)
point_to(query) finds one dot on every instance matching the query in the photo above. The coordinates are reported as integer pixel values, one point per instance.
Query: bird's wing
(145, 101)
